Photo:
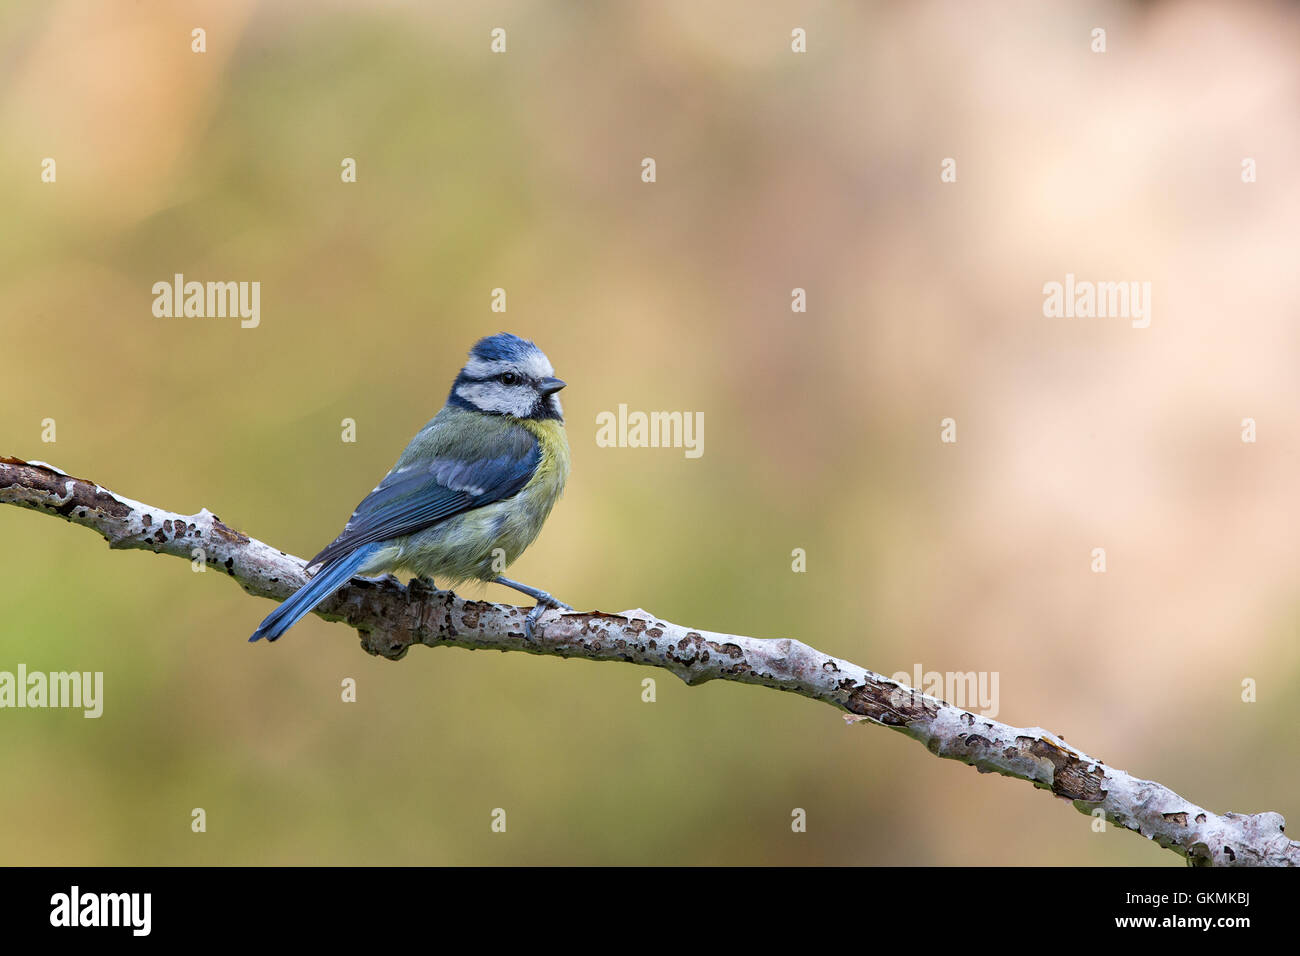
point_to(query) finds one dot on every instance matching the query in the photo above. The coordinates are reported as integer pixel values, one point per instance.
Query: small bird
(467, 495)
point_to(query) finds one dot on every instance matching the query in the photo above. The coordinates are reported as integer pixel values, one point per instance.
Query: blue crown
(502, 347)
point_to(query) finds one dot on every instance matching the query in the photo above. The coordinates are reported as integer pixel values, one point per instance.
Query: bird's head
(507, 375)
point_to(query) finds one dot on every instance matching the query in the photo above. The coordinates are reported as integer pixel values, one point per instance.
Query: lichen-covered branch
(391, 618)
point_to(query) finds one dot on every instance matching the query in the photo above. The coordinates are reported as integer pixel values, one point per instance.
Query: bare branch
(391, 618)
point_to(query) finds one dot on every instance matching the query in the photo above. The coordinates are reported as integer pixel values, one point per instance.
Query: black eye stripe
(464, 378)
(479, 379)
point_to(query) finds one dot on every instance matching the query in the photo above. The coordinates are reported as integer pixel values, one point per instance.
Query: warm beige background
(775, 171)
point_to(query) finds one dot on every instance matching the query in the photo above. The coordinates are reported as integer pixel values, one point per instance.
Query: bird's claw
(544, 603)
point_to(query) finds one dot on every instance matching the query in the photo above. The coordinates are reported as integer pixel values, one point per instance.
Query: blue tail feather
(298, 605)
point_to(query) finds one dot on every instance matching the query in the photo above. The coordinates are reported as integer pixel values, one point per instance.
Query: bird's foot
(545, 602)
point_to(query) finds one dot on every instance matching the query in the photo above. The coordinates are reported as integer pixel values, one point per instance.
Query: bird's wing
(414, 496)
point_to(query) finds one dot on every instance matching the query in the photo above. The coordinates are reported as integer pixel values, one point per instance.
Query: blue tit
(469, 493)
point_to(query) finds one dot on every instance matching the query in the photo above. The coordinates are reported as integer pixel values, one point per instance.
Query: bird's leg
(543, 600)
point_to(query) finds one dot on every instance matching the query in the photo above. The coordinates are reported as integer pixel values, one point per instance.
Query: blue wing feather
(453, 465)
(413, 498)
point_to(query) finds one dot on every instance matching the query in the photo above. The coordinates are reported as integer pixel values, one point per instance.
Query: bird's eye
(509, 378)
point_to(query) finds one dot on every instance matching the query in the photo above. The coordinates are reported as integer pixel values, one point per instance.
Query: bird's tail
(328, 580)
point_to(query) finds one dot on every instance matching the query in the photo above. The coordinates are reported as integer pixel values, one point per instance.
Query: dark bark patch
(81, 493)
(227, 534)
(889, 704)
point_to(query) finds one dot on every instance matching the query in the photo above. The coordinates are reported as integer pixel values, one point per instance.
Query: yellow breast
(553, 470)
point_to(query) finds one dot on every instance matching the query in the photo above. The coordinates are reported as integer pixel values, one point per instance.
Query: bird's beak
(549, 386)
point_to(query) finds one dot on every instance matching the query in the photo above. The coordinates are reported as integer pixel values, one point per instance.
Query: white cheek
(494, 397)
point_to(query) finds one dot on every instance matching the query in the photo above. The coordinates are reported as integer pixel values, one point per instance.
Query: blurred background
(775, 170)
